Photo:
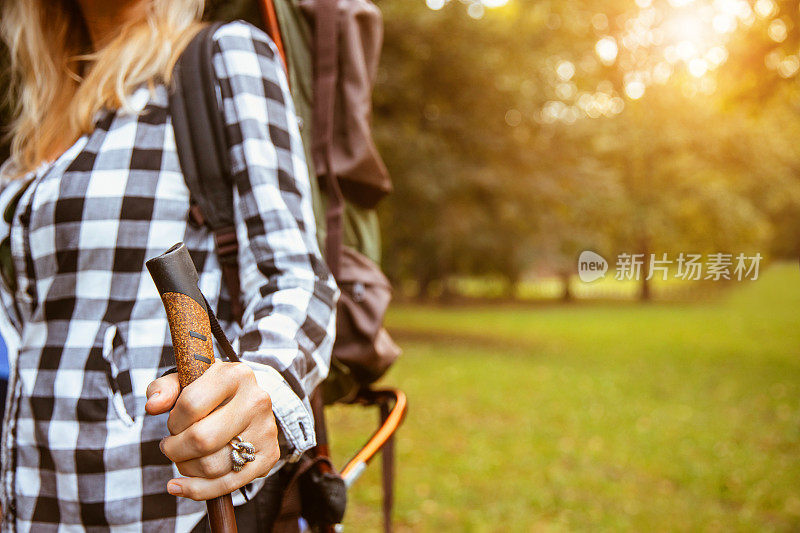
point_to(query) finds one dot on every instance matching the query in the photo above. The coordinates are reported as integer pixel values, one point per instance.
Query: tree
(516, 141)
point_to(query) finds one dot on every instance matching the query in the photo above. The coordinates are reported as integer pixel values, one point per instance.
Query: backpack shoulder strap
(203, 153)
(326, 73)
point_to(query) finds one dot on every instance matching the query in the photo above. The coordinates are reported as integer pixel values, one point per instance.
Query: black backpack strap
(203, 153)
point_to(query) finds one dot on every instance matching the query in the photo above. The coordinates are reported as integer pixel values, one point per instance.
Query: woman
(95, 189)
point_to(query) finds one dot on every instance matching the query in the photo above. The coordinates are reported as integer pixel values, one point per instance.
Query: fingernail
(174, 489)
(161, 445)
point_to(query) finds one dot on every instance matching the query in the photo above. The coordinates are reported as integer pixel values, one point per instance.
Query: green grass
(595, 417)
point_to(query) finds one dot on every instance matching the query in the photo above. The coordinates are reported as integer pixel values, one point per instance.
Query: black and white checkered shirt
(79, 452)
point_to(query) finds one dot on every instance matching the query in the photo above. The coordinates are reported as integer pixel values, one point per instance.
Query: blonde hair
(59, 83)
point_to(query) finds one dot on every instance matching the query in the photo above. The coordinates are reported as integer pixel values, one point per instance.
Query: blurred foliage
(514, 145)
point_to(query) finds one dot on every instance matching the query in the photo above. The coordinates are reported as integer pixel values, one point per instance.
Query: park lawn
(593, 417)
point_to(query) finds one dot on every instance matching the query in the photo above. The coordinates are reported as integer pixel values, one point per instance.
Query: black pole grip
(174, 271)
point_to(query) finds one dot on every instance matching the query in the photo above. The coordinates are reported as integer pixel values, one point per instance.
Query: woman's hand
(224, 402)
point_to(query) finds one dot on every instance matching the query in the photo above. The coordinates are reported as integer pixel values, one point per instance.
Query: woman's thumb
(162, 394)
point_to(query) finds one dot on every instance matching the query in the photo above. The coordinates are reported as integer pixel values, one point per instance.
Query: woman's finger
(215, 431)
(215, 387)
(211, 466)
(220, 462)
(162, 393)
(199, 488)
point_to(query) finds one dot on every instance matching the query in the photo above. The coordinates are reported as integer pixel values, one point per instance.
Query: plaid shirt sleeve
(288, 292)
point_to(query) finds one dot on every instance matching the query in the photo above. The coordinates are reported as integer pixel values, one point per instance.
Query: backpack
(336, 65)
(331, 61)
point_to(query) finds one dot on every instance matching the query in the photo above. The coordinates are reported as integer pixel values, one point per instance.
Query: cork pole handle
(176, 280)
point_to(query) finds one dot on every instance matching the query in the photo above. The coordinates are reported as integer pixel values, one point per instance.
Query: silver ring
(243, 452)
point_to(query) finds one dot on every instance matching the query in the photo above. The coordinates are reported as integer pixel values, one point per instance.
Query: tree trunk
(512, 282)
(447, 295)
(424, 280)
(566, 295)
(645, 295)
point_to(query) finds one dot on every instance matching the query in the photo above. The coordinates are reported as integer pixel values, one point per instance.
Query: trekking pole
(390, 422)
(392, 405)
(176, 280)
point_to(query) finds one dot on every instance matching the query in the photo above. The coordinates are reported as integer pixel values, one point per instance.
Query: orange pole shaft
(270, 19)
(380, 437)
